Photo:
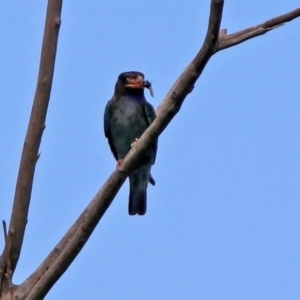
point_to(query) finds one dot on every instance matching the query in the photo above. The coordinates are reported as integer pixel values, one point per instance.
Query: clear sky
(223, 220)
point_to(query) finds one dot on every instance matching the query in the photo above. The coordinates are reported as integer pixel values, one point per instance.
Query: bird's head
(132, 83)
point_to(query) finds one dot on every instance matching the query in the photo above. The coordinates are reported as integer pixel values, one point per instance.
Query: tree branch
(233, 39)
(57, 262)
(4, 230)
(33, 137)
(40, 282)
(5, 265)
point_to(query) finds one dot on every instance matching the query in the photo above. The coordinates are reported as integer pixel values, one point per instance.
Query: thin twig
(5, 265)
(4, 230)
(236, 38)
(3, 258)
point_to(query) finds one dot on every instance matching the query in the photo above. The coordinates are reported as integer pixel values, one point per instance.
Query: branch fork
(37, 285)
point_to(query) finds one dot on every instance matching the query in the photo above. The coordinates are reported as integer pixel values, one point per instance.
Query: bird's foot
(119, 163)
(134, 143)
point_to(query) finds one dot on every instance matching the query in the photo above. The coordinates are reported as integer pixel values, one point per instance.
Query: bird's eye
(125, 79)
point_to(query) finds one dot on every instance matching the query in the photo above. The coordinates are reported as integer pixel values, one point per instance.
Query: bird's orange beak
(139, 83)
(136, 83)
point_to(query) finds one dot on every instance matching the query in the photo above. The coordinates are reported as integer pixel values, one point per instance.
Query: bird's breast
(128, 122)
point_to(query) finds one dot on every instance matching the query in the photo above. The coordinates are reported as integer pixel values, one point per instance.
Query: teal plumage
(127, 115)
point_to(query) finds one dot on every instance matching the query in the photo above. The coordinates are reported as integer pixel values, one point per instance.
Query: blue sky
(223, 219)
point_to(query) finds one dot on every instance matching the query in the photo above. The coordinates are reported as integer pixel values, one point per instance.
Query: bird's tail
(138, 192)
(137, 202)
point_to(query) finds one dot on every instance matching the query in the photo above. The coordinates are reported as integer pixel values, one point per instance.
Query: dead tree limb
(40, 282)
(32, 141)
(4, 230)
(230, 40)
(57, 262)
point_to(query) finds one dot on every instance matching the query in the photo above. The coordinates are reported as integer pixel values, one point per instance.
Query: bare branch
(61, 257)
(4, 230)
(40, 282)
(5, 264)
(171, 104)
(57, 262)
(34, 134)
(230, 40)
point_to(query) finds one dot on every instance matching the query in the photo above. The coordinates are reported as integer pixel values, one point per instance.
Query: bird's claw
(134, 143)
(119, 163)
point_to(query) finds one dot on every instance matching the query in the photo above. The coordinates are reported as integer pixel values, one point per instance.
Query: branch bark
(40, 282)
(57, 262)
(230, 40)
(13, 245)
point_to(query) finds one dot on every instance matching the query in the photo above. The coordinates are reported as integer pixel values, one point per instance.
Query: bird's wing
(151, 115)
(107, 129)
(150, 112)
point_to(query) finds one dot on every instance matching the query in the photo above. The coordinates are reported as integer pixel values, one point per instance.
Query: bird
(127, 115)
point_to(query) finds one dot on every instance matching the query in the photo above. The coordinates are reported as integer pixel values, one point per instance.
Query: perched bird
(127, 115)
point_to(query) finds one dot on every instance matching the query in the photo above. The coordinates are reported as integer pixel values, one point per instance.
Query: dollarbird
(127, 115)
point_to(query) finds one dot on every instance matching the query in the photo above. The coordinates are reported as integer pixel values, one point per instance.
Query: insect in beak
(148, 85)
